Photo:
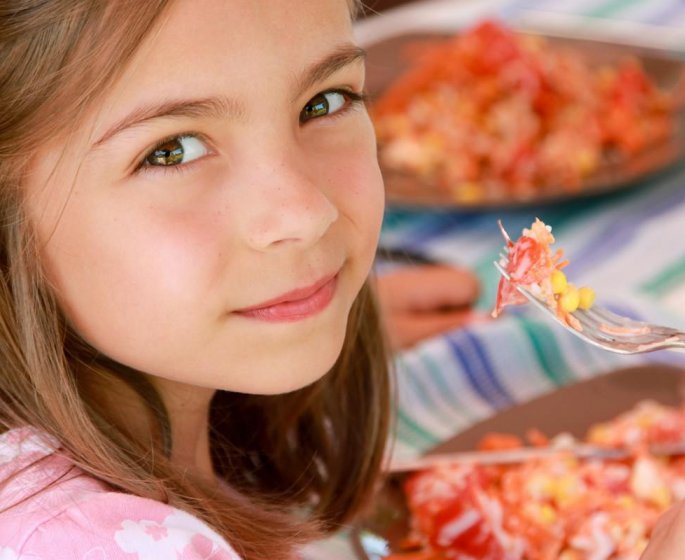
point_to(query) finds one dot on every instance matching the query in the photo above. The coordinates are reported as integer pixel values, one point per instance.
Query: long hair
(294, 465)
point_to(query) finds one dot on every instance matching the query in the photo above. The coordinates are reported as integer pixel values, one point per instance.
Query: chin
(300, 373)
(294, 369)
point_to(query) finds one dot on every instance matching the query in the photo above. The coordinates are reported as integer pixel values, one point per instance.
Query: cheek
(354, 180)
(114, 273)
(362, 196)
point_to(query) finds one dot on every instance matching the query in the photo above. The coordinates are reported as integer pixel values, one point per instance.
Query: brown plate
(573, 409)
(385, 63)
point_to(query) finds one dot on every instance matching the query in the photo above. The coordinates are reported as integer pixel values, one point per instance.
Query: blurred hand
(418, 302)
(668, 536)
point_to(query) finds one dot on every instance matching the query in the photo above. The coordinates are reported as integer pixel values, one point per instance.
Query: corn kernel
(586, 297)
(587, 161)
(625, 501)
(600, 433)
(559, 283)
(570, 299)
(661, 496)
(468, 192)
(547, 514)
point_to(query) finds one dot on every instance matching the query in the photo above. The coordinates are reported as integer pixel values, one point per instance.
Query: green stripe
(489, 279)
(425, 438)
(667, 280)
(444, 388)
(396, 218)
(419, 390)
(611, 8)
(546, 351)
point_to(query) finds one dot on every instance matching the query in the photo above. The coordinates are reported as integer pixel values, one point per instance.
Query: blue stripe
(664, 14)
(480, 372)
(622, 230)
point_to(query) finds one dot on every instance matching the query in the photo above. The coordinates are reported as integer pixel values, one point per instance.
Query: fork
(606, 329)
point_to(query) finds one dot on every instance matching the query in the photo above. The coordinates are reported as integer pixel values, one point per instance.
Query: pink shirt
(80, 518)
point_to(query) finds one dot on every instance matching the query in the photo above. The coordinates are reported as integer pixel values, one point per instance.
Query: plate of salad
(553, 506)
(491, 117)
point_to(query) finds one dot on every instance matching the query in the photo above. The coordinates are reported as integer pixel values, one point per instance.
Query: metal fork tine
(632, 328)
(590, 327)
(504, 232)
(609, 317)
(610, 341)
(660, 332)
(591, 320)
(613, 339)
(501, 270)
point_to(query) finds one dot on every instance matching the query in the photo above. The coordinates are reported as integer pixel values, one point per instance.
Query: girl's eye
(323, 104)
(176, 151)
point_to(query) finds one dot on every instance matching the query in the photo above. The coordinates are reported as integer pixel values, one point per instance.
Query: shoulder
(113, 526)
(69, 515)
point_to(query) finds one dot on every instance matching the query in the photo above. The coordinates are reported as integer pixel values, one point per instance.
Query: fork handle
(677, 341)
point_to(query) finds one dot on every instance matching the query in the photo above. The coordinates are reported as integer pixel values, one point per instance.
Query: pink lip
(294, 305)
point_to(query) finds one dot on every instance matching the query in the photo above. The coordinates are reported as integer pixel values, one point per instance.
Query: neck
(188, 408)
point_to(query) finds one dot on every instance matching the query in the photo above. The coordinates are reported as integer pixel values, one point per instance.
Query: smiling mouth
(295, 305)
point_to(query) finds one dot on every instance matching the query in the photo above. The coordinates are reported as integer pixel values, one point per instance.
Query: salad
(553, 508)
(531, 263)
(491, 114)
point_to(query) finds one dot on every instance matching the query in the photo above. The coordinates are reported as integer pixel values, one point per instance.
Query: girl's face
(213, 220)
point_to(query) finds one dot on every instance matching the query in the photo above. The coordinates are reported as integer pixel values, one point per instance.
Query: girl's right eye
(175, 151)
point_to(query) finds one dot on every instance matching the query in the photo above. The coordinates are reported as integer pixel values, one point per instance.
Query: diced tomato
(537, 438)
(425, 555)
(529, 261)
(462, 527)
(447, 507)
(494, 441)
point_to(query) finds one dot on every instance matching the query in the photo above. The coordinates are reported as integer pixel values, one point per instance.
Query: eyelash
(354, 99)
(141, 167)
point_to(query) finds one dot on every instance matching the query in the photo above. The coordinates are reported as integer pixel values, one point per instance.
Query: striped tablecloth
(629, 246)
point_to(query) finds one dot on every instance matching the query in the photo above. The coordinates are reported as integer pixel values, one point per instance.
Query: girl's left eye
(176, 151)
(326, 103)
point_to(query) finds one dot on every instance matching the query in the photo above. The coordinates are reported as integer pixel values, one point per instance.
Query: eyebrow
(339, 58)
(222, 107)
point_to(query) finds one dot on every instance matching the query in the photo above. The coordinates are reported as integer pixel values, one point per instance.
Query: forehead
(211, 47)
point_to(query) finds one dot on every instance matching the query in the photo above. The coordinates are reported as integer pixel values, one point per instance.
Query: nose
(287, 205)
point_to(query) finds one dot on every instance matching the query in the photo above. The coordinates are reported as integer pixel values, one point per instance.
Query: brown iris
(316, 107)
(169, 153)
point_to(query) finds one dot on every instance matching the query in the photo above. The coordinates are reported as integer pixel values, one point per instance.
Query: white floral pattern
(24, 442)
(6, 553)
(79, 518)
(178, 536)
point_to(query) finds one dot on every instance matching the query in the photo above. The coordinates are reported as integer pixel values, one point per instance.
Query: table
(629, 246)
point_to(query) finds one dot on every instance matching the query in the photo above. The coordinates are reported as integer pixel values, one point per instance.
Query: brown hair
(315, 451)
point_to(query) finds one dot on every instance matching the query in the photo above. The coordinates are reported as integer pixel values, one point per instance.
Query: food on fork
(554, 508)
(531, 264)
(491, 115)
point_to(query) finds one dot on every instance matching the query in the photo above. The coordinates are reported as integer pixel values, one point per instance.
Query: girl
(191, 360)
